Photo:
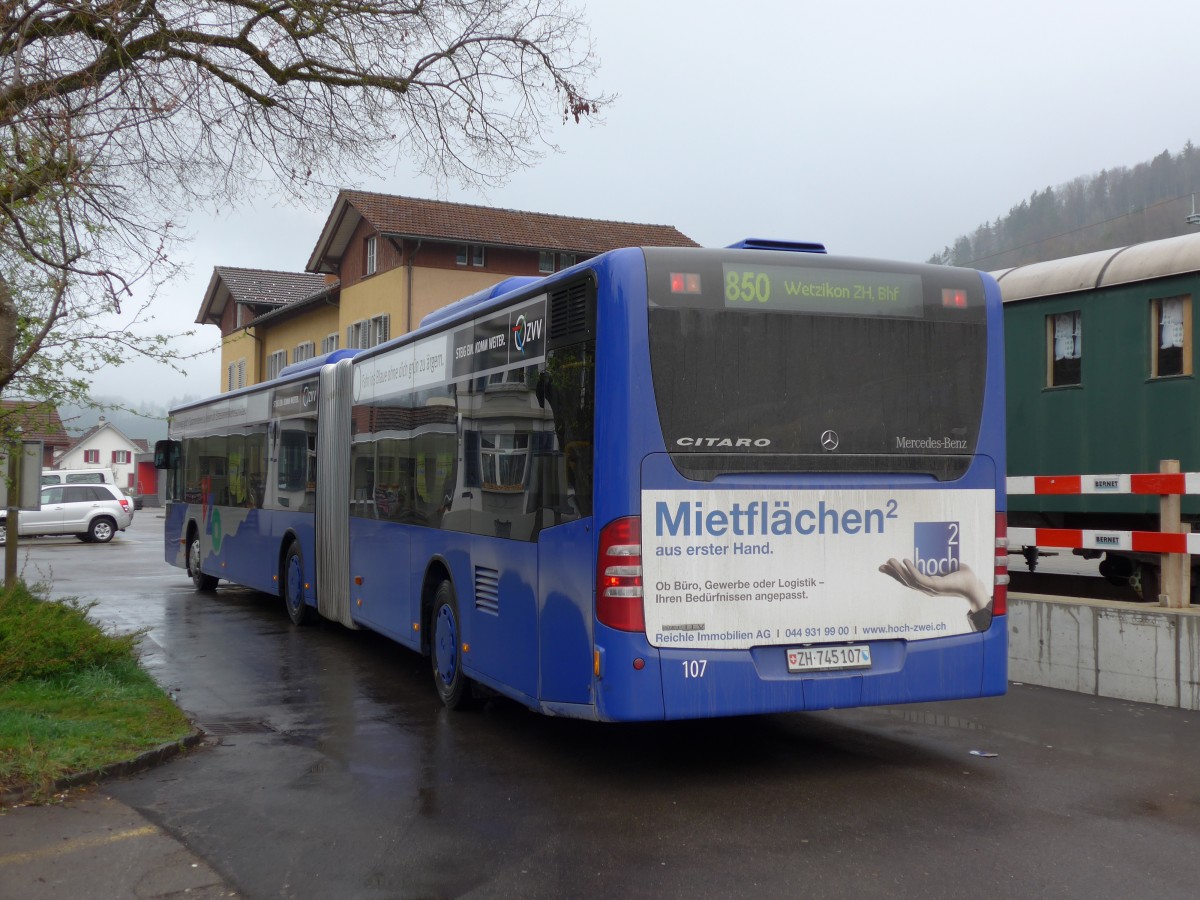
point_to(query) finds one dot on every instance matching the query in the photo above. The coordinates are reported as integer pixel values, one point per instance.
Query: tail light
(125, 504)
(1000, 592)
(619, 575)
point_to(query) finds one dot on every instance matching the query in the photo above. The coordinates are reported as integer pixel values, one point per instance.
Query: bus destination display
(823, 291)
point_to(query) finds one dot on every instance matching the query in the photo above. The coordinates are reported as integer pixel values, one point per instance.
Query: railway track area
(1063, 574)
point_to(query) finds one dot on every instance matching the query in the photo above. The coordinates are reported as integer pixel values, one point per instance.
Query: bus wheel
(445, 645)
(200, 581)
(293, 588)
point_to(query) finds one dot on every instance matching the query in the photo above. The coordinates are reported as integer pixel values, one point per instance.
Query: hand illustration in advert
(960, 583)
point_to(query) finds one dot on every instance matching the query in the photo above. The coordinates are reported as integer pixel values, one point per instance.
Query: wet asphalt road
(338, 774)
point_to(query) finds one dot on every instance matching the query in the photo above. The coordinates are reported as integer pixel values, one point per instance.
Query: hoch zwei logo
(935, 547)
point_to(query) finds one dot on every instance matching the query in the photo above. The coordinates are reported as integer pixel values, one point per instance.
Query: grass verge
(73, 698)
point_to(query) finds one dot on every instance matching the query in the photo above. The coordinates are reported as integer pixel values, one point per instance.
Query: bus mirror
(540, 390)
(166, 455)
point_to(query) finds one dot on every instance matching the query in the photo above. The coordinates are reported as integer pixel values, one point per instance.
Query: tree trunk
(8, 334)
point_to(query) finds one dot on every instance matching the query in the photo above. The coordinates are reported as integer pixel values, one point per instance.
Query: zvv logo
(526, 331)
(935, 547)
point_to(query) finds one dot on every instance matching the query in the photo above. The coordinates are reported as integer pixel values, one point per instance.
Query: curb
(151, 758)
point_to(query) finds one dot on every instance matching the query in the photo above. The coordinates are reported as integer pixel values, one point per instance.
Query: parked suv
(91, 512)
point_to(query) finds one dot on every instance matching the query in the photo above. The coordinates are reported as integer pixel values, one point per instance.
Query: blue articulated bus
(661, 484)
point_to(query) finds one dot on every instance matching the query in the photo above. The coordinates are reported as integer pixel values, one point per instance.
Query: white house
(104, 446)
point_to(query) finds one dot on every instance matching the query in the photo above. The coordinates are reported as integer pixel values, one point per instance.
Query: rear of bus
(799, 488)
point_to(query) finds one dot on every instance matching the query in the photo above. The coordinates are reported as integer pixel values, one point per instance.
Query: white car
(77, 476)
(91, 512)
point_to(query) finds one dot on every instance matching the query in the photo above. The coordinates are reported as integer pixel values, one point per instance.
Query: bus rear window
(823, 366)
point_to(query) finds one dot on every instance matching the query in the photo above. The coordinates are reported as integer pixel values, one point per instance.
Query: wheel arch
(285, 543)
(436, 571)
(190, 530)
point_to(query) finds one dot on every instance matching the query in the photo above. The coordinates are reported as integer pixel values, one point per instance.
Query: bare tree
(118, 116)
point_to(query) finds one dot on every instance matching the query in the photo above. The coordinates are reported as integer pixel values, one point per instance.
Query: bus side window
(293, 460)
(568, 386)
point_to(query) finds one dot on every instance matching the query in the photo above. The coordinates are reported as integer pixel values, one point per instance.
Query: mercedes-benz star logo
(829, 441)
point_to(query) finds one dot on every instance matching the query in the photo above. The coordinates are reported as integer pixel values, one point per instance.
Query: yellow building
(382, 263)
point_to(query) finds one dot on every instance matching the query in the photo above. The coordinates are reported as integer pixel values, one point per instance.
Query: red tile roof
(464, 223)
(39, 420)
(258, 288)
(268, 288)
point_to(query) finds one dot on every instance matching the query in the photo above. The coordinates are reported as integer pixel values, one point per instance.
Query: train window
(1064, 346)
(1171, 336)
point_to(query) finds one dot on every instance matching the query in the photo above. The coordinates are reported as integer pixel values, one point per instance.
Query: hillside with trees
(1114, 208)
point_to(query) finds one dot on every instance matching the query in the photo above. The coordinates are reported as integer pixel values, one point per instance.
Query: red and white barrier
(1173, 546)
(1149, 483)
(1087, 539)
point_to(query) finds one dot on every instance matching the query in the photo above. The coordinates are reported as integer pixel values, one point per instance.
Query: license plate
(819, 659)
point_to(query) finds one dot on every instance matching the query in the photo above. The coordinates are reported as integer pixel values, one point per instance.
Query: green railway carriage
(1100, 356)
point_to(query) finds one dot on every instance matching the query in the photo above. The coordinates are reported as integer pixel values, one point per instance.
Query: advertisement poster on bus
(745, 568)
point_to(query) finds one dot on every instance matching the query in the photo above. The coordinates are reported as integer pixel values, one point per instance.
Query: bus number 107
(694, 668)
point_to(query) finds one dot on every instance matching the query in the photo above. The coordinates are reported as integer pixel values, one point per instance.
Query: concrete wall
(1109, 649)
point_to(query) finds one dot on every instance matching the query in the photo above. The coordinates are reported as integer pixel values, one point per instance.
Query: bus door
(566, 568)
(562, 494)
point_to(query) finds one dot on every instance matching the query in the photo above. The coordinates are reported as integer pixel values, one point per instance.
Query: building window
(304, 351)
(515, 376)
(504, 459)
(547, 258)
(369, 255)
(1064, 357)
(368, 332)
(236, 377)
(275, 363)
(329, 343)
(1170, 337)
(380, 329)
(473, 252)
(91, 456)
(120, 457)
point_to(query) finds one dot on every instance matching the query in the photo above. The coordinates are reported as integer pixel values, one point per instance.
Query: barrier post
(1185, 590)
(1176, 569)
